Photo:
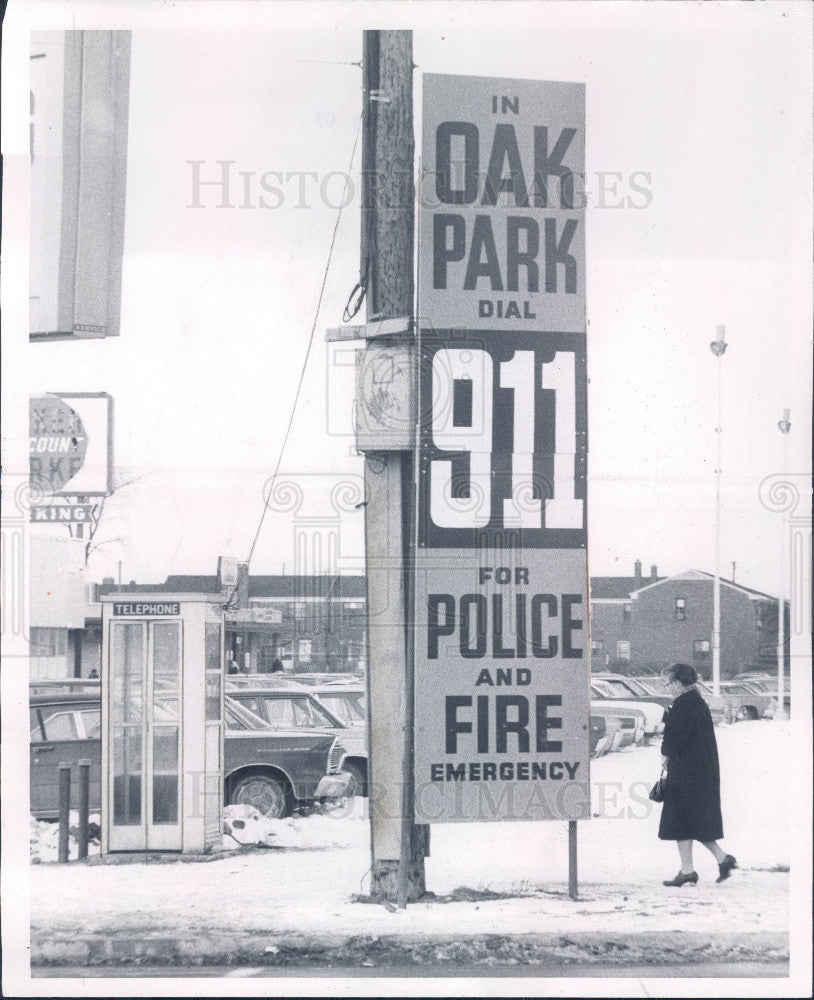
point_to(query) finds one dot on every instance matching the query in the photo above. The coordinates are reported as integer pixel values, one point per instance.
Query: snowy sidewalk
(266, 903)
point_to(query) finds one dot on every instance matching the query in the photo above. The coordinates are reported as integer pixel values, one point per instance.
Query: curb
(265, 948)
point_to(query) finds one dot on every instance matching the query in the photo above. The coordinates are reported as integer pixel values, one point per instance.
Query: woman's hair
(681, 672)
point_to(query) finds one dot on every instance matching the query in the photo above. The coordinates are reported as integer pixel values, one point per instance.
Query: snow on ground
(244, 826)
(44, 838)
(308, 891)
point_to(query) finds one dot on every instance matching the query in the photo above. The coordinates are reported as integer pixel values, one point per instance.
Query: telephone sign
(502, 650)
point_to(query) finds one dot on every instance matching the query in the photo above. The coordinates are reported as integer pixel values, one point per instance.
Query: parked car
(654, 686)
(267, 680)
(653, 709)
(766, 682)
(346, 701)
(747, 701)
(610, 727)
(597, 732)
(629, 724)
(626, 687)
(297, 708)
(321, 679)
(272, 770)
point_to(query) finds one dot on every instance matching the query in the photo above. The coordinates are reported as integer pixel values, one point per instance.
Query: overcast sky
(712, 103)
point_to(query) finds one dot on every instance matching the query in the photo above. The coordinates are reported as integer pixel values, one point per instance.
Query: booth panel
(163, 736)
(166, 722)
(145, 723)
(128, 652)
(213, 749)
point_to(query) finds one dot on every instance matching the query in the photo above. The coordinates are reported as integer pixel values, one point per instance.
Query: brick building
(639, 623)
(645, 623)
(312, 623)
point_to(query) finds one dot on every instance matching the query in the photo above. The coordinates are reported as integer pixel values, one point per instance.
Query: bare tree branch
(122, 483)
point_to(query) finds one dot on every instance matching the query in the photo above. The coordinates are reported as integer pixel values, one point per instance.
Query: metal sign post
(502, 652)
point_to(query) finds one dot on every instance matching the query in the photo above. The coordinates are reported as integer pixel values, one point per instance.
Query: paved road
(721, 970)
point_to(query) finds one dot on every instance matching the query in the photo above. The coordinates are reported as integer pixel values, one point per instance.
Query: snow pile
(245, 826)
(44, 838)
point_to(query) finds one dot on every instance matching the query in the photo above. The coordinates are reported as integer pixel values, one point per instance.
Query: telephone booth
(162, 722)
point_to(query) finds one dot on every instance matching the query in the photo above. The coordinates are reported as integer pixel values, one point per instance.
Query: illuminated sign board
(502, 651)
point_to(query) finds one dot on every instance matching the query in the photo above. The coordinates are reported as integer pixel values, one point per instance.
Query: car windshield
(762, 683)
(348, 705)
(52, 722)
(240, 717)
(637, 686)
(289, 711)
(621, 688)
(654, 686)
(599, 688)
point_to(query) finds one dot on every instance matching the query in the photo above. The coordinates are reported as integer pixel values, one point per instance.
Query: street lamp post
(785, 427)
(718, 348)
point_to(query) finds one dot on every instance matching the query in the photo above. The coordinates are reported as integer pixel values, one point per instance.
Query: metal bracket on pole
(370, 331)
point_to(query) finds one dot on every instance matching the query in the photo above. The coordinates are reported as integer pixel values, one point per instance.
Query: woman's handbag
(657, 791)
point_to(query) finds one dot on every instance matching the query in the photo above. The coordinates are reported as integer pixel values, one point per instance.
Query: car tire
(749, 712)
(359, 772)
(266, 793)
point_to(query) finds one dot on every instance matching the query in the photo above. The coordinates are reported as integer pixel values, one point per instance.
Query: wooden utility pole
(398, 846)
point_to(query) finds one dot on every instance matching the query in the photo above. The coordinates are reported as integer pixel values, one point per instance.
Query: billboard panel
(502, 231)
(71, 444)
(502, 652)
(78, 146)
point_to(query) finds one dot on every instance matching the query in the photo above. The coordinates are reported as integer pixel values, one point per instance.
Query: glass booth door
(145, 736)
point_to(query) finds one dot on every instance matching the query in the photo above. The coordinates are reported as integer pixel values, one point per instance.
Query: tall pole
(785, 427)
(718, 348)
(398, 846)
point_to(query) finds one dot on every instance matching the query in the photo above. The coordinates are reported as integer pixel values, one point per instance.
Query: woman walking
(692, 795)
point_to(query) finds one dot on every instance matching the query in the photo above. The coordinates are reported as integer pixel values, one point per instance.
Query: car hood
(653, 713)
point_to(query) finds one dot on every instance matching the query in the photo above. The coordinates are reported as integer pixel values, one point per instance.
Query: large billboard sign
(78, 136)
(502, 652)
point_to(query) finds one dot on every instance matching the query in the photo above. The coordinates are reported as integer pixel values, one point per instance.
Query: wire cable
(305, 359)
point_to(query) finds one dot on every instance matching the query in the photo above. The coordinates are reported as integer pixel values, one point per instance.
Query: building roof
(307, 586)
(609, 588)
(699, 574)
(618, 588)
(130, 588)
(295, 587)
(198, 584)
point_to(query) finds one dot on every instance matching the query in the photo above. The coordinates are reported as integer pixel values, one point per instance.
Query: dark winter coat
(692, 797)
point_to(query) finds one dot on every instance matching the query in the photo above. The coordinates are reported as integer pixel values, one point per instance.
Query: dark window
(681, 609)
(626, 608)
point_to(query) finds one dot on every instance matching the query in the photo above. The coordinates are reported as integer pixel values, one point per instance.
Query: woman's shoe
(681, 878)
(725, 867)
